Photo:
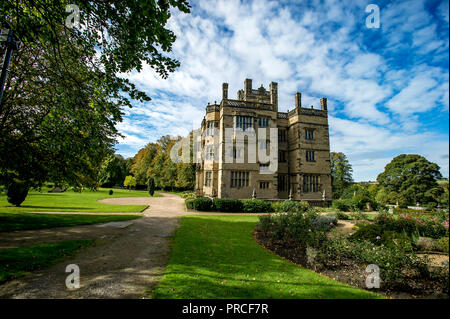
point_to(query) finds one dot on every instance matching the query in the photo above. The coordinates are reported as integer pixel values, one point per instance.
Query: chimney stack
(225, 91)
(298, 100)
(248, 86)
(274, 95)
(323, 103)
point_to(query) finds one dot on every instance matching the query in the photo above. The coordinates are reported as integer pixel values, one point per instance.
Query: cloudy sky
(387, 88)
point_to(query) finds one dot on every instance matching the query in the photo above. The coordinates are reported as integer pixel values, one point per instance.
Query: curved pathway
(125, 263)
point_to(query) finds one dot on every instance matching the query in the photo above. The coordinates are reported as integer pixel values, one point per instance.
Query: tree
(113, 171)
(151, 186)
(64, 94)
(129, 182)
(143, 161)
(185, 176)
(16, 192)
(410, 177)
(341, 173)
(154, 161)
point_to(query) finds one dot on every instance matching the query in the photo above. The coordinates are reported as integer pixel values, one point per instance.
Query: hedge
(256, 206)
(203, 204)
(228, 205)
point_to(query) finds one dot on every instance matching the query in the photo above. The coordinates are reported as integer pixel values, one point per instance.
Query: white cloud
(374, 101)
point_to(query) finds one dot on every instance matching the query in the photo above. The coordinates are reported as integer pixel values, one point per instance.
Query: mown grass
(16, 262)
(70, 201)
(14, 221)
(217, 257)
(14, 218)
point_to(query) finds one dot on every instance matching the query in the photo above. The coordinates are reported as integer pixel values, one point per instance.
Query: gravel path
(123, 263)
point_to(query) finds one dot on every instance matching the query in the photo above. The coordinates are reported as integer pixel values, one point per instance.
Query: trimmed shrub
(325, 222)
(256, 206)
(151, 186)
(189, 203)
(228, 205)
(203, 204)
(16, 193)
(110, 192)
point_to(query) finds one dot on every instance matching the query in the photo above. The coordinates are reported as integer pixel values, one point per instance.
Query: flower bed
(386, 243)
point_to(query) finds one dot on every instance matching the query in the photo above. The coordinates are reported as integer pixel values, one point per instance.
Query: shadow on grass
(217, 257)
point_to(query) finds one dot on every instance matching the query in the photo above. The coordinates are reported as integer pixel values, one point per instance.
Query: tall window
(310, 183)
(210, 128)
(243, 122)
(263, 122)
(310, 156)
(264, 185)
(239, 179)
(208, 178)
(309, 134)
(210, 152)
(282, 135)
(282, 183)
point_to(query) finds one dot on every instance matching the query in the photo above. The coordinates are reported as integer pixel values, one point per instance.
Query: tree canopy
(65, 88)
(409, 177)
(341, 173)
(153, 161)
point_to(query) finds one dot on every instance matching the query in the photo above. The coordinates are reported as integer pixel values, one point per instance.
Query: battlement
(260, 96)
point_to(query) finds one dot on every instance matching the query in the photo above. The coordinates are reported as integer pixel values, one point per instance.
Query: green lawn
(217, 257)
(70, 201)
(21, 218)
(15, 262)
(14, 221)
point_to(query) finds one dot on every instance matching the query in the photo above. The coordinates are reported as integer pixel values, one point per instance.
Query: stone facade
(303, 149)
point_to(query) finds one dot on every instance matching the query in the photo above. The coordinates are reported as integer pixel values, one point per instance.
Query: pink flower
(309, 230)
(378, 237)
(374, 248)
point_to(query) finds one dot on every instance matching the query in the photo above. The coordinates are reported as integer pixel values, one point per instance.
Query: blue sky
(387, 88)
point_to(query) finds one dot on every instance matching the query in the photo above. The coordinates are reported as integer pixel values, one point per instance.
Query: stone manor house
(303, 171)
